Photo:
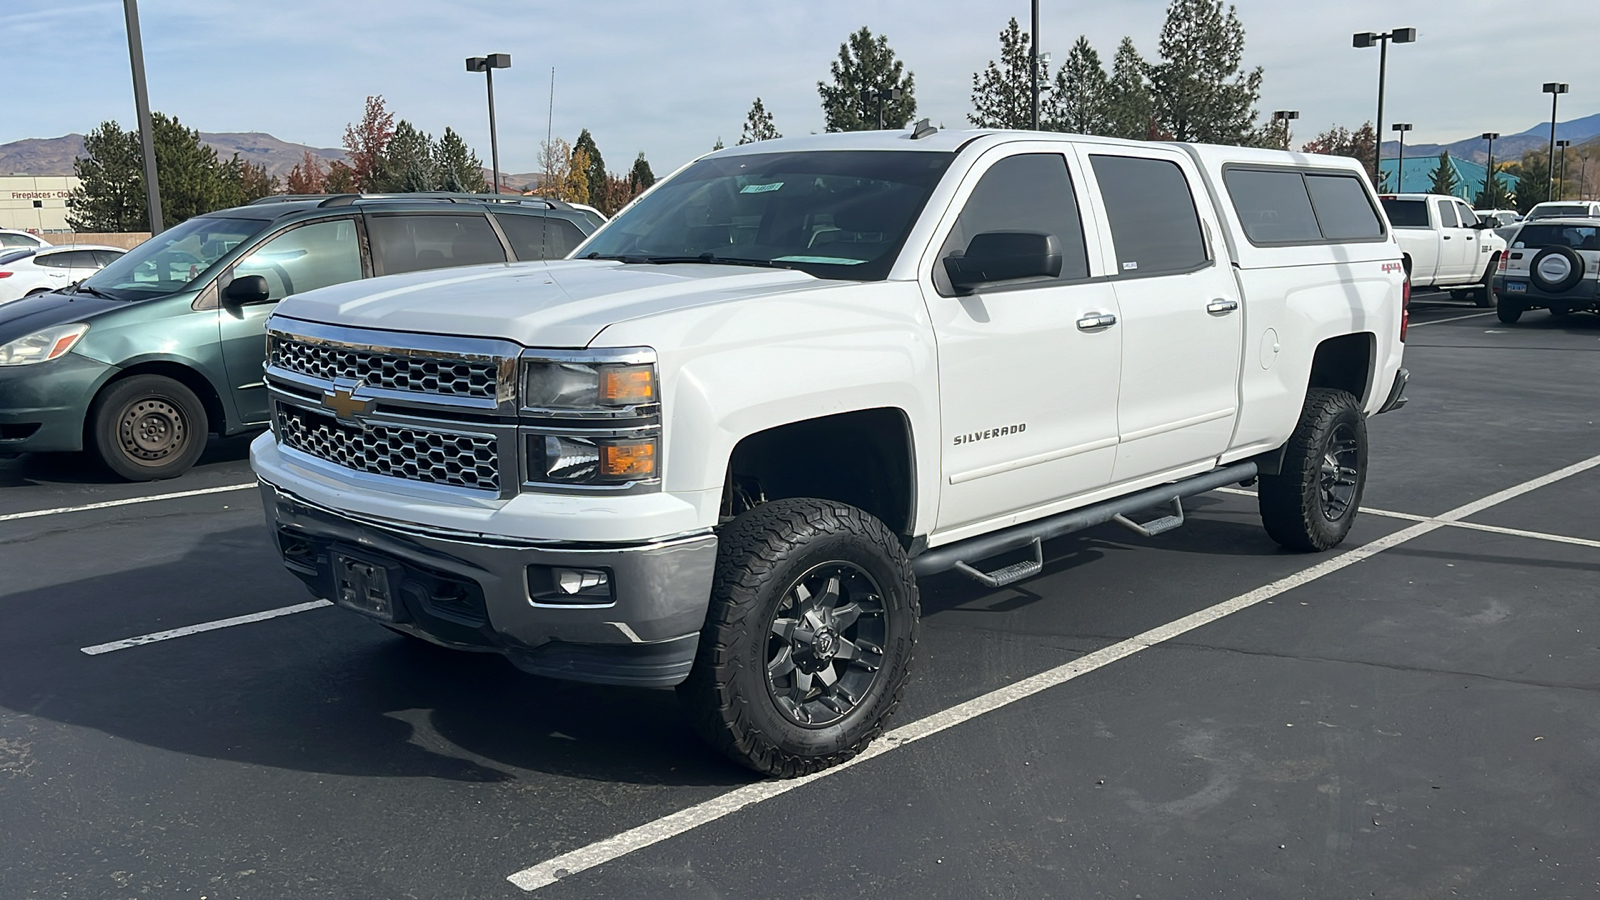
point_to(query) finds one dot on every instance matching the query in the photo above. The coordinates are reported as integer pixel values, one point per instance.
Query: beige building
(36, 203)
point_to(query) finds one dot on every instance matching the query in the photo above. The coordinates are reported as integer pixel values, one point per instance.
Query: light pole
(1492, 195)
(881, 95)
(1284, 116)
(1400, 166)
(1561, 170)
(1367, 39)
(1033, 58)
(487, 65)
(141, 102)
(1555, 89)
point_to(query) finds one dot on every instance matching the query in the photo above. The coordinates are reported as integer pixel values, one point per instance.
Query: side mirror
(996, 256)
(246, 290)
(1482, 224)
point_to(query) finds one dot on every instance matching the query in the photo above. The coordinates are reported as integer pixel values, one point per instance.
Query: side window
(52, 260)
(15, 240)
(1030, 193)
(105, 257)
(1343, 208)
(1447, 214)
(306, 258)
(411, 243)
(77, 259)
(1468, 217)
(540, 237)
(1273, 206)
(1153, 220)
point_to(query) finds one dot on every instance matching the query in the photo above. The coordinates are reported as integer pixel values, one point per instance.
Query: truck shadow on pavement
(321, 691)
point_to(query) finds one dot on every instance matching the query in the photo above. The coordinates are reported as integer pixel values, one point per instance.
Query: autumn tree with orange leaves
(365, 143)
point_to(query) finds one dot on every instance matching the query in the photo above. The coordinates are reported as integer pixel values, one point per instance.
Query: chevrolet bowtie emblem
(342, 402)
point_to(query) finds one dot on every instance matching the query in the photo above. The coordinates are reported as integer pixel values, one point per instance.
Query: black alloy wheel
(1311, 503)
(826, 645)
(1340, 480)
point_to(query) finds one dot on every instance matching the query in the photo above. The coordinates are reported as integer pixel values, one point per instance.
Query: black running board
(963, 554)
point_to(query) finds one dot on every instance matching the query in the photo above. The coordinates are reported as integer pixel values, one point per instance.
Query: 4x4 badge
(344, 404)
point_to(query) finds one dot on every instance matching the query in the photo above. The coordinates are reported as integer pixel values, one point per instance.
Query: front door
(1182, 319)
(1027, 369)
(302, 258)
(1456, 246)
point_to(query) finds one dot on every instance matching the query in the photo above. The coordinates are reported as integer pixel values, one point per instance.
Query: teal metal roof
(1418, 176)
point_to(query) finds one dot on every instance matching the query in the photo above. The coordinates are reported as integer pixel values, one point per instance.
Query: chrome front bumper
(473, 592)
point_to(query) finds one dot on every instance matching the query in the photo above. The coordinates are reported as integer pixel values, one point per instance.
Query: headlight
(596, 387)
(42, 346)
(573, 460)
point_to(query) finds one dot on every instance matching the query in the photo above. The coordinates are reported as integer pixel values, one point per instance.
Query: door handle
(1447, 237)
(1096, 321)
(1221, 306)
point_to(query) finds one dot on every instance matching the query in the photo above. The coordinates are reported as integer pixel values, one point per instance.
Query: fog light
(559, 584)
(577, 581)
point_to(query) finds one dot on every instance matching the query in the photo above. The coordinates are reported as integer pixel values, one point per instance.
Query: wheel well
(1405, 260)
(1344, 363)
(216, 419)
(862, 458)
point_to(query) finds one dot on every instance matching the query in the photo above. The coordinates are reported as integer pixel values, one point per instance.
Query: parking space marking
(187, 630)
(36, 513)
(1470, 526)
(1456, 319)
(552, 870)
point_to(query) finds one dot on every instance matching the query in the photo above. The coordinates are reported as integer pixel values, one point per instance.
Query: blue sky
(669, 77)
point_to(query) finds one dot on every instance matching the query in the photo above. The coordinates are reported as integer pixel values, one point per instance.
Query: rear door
(1027, 369)
(1181, 320)
(301, 258)
(56, 268)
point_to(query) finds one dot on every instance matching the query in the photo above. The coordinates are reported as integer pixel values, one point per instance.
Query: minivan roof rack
(442, 196)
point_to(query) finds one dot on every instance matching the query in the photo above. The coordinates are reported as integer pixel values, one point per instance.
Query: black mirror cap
(996, 256)
(245, 290)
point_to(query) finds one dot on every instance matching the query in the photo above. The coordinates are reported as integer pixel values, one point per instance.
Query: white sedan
(26, 271)
(20, 240)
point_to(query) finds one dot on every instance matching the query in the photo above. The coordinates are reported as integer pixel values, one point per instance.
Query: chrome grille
(423, 375)
(414, 454)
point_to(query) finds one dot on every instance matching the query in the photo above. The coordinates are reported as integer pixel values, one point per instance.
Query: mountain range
(1507, 147)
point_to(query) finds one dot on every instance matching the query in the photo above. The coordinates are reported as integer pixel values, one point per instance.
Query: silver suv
(1552, 264)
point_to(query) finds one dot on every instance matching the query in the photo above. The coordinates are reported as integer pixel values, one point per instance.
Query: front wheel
(1311, 503)
(148, 427)
(808, 642)
(1509, 311)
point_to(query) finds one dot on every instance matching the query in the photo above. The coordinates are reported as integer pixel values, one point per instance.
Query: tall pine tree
(110, 192)
(866, 63)
(640, 178)
(456, 167)
(1002, 94)
(407, 165)
(1080, 100)
(1200, 92)
(595, 171)
(1130, 111)
(1443, 178)
(758, 125)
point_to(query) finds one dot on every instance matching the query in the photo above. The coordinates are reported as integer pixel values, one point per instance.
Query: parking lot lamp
(1400, 166)
(1284, 116)
(487, 65)
(141, 102)
(1488, 177)
(1368, 39)
(1555, 89)
(881, 95)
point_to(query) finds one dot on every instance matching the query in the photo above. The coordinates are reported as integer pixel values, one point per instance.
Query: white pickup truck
(718, 447)
(1446, 245)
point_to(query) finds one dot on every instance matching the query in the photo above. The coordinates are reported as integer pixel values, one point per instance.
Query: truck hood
(560, 304)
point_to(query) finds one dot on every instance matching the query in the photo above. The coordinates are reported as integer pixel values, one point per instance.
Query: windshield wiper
(81, 288)
(624, 258)
(714, 260)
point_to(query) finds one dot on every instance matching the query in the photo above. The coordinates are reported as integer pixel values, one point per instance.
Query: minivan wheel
(1311, 503)
(808, 642)
(148, 427)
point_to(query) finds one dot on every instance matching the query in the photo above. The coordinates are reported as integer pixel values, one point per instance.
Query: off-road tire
(1295, 504)
(761, 556)
(148, 427)
(1508, 310)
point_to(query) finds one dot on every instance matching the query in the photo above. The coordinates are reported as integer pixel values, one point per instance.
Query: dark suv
(141, 360)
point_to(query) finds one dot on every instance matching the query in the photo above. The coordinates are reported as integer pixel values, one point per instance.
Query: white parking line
(186, 630)
(36, 513)
(1456, 319)
(650, 833)
(1470, 526)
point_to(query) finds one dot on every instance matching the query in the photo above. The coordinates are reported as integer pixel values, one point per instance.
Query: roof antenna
(922, 130)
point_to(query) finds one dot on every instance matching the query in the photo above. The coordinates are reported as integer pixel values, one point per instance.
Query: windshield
(1549, 212)
(1578, 237)
(1406, 213)
(173, 259)
(835, 213)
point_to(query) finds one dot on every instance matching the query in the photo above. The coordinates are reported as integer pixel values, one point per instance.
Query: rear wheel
(148, 427)
(1509, 310)
(1311, 503)
(1484, 296)
(808, 642)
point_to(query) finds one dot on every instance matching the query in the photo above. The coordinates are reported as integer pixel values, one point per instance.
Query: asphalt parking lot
(1416, 714)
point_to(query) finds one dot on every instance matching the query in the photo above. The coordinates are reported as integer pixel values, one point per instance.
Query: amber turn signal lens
(627, 385)
(628, 459)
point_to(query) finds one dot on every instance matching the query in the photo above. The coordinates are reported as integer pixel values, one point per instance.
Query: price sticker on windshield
(760, 188)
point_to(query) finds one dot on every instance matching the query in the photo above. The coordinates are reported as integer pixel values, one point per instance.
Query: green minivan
(140, 361)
